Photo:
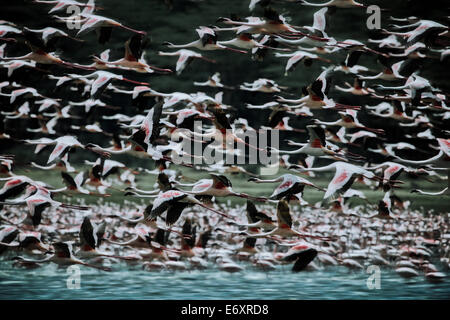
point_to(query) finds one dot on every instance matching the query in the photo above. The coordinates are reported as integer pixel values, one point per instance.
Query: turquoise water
(50, 282)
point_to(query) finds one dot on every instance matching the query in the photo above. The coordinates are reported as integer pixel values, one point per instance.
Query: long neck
(25, 57)
(195, 43)
(325, 168)
(267, 181)
(301, 150)
(161, 53)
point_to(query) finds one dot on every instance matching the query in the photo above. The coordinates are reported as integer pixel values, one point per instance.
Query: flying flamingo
(316, 145)
(284, 226)
(90, 239)
(63, 256)
(297, 57)
(61, 4)
(49, 33)
(38, 53)
(63, 145)
(185, 57)
(93, 22)
(174, 202)
(207, 41)
(218, 186)
(343, 178)
(289, 185)
(134, 57)
(301, 254)
(246, 41)
(349, 120)
(256, 219)
(316, 95)
(38, 202)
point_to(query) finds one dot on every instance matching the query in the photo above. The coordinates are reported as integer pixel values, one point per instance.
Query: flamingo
(272, 24)
(316, 145)
(385, 208)
(278, 121)
(63, 145)
(188, 243)
(134, 57)
(63, 256)
(289, 185)
(422, 28)
(316, 95)
(61, 4)
(439, 160)
(5, 29)
(349, 119)
(7, 235)
(208, 41)
(297, 57)
(213, 81)
(284, 226)
(262, 85)
(49, 33)
(357, 88)
(102, 79)
(343, 178)
(23, 92)
(246, 41)
(415, 83)
(91, 238)
(302, 255)
(27, 241)
(218, 186)
(174, 202)
(92, 22)
(38, 53)
(257, 219)
(38, 202)
(15, 65)
(185, 57)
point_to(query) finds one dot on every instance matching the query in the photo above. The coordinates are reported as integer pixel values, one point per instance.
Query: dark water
(49, 282)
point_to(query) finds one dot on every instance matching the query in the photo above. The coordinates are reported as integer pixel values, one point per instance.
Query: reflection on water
(49, 282)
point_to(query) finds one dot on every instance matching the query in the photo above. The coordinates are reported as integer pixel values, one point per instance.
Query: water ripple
(49, 282)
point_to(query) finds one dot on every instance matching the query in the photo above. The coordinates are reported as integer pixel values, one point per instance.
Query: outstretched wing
(341, 178)
(303, 259)
(221, 181)
(62, 249)
(284, 214)
(316, 88)
(352, 58)
(68, 180)
(253, 215)
(272, 15)
(156, 128)
(33, 41)
(221, 121)
(174, 212)
(320, 19)
(207, 35)
(133, 48)
(316, 134)
(87, 233)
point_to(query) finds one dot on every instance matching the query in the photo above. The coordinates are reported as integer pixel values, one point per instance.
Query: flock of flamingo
(186, 224)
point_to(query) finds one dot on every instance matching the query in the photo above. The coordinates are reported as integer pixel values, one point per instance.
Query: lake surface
(50, 282)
